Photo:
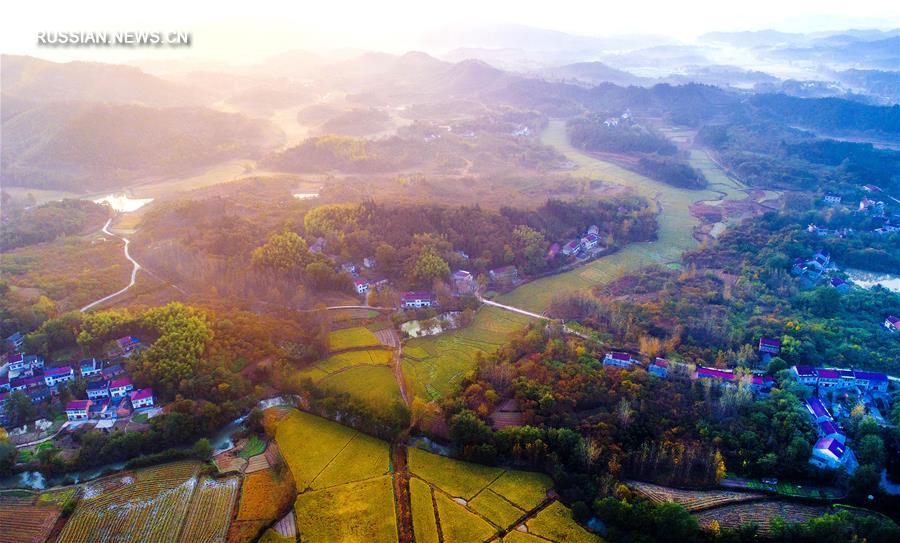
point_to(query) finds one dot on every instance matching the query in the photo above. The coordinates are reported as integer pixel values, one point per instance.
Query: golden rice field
(556, 524)
(354, 512)
(352, 338)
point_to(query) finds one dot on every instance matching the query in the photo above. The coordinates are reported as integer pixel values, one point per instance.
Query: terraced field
(25, 522)
(692, 500)
(760, 513)
(433, 365)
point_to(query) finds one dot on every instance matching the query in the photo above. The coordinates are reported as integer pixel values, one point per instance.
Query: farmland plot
(352, 338)
(760, 513)
(692, 500)
(24, 523)
(354, 512)
(556, 524)
(210, 511)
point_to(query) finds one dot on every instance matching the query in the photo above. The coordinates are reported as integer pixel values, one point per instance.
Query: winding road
(134, 270)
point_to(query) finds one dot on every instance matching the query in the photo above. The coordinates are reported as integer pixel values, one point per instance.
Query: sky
(247, 31)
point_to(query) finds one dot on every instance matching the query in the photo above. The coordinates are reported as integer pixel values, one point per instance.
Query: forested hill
(82, 146)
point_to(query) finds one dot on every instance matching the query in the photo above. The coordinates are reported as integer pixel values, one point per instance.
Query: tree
(8, 456)
(870, 450)
(19, 408)
(430, 266)
(531, 247)
(284, 252)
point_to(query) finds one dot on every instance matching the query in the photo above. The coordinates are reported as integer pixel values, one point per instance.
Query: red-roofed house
(141, 398)
(361, 286)
(78, 410)
(660, 368)
(417, 299)
(619, 359)
(769, 346)
(120, 387)
(829, 453)
(892, 323)
(54, 376)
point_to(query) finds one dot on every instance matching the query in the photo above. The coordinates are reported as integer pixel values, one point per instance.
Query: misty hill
(357, 122)
(81, 146)
(37, 80)
(595, 73)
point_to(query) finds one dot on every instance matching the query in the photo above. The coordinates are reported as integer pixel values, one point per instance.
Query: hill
(81, 146)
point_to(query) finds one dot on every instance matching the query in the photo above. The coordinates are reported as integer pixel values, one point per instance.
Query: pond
(430, 327)
(122, 203)
(868, 279)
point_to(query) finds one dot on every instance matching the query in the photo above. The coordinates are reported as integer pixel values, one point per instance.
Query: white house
(590, 241)
(54, 376)
(120, 387)
(90, 367)
(78, 410)
(832, 199)
(892, 323)
(829, 453)
(622, 360)
(362, 286)
(417, 299)
(571, 247)
(97, 389)
(141, 398)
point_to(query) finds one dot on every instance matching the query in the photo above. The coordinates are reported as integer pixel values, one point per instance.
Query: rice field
(458, 524)
(424, 523)
(309, 443)
(354, 512)
(525, 489)
(352, 338)
(496, 508)
(163, 503)
(455, 477)
(362, 458)
(263, 495)
(555, 523)
(433, 365)
(375, 385)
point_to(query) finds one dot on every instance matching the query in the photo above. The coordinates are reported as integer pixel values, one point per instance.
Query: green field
(433, 365)
(355, 512)
(352, 338)
(676, 223)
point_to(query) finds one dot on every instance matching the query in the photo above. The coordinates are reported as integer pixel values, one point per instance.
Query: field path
(134, 270)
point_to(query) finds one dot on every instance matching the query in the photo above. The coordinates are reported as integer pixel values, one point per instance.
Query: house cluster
(363, 278)
(868, 206)
(580, 246)
(662, 368)
(830, 450)
(109, 399)
(26, 373)
(813, 267)
(829, 378)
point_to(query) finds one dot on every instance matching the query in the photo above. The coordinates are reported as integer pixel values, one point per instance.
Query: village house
(78, 410)
(769, 347)
(892, 323)
(120, 387)
(54, 376)
(817, 410)
(127, 344)
(828, 429)
(832, 199)
(112, 371)
(26, 383)
(369, 262)
(829, 453)
(110, 408)
(25, 364)
(805, 375)
(416, 299)
(593, 229)
(618, 359)
(660, 368)
(464, 282)
(571, 247)
(871, 207)
(142, 397)
(362, 286)
(839, 285)
(504, 275)
(16, 341)
(838, 378)
(38, 395)
(90, 367)
(97, 389)
(590, 241)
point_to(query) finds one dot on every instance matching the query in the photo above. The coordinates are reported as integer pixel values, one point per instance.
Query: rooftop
(120, 383)
(141, 394)
(817, 408)
(78, 405)
(62, 370)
